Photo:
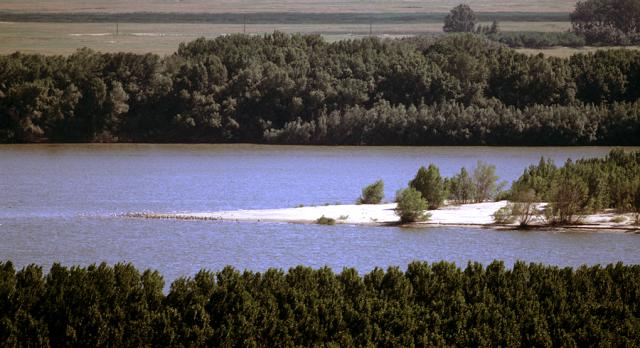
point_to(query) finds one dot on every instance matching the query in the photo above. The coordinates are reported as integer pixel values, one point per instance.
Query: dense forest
(426, 305)
(457, 89)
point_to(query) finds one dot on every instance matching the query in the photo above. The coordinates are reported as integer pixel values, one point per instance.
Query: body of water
(61, 203)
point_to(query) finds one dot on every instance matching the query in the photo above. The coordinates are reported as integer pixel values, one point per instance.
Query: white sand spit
(466, 214)
(478, 215)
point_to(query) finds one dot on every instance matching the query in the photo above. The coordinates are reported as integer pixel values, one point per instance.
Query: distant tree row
(427, 305)
(458, 89)
(526, 39)
(596, 22)
(610, 22)
(457, 124)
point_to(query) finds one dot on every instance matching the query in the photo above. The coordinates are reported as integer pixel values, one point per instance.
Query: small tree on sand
(485, 182)
(411, 206)
(523, 209)
(372, 194)
(430, 185)
(568, 198)
(460, 187)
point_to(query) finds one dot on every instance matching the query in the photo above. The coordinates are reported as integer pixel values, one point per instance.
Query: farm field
(322, 6)
(161, 38)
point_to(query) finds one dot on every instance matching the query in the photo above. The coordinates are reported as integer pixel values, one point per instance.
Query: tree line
(457, 89)
(435, 304)
(428, 190)
(609, 22)
(568, 193)
(581, 187)
(595, 22)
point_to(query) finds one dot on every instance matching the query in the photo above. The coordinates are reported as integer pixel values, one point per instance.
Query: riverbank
(470, 215)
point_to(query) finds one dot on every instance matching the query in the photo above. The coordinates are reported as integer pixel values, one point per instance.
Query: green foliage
(411, 206)
(618, 219)
(611, 22)
(522, 209)
(460, 19)
(568, 199)
(492, 29)
(584, 186)
(323, 220)
(460, 187)
(430, 185)
(434, 304)
(505, 215)
(529, 39)
(485, 181)
(538, 178)
(459, 89)
(372, 194)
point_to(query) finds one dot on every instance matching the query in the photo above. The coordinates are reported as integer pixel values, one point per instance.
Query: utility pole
(117, 30)
(244, 26)
(370, 29)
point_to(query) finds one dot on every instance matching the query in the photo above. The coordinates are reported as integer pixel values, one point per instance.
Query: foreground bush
(426, 305)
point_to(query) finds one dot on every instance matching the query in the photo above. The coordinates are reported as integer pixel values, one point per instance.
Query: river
(62, 203)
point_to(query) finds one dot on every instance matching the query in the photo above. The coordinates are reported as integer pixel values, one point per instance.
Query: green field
(65, 38)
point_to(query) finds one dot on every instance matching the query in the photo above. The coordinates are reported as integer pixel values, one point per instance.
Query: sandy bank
(478, 215)
(379, 214)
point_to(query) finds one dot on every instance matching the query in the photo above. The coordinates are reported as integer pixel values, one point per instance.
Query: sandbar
(472, 215)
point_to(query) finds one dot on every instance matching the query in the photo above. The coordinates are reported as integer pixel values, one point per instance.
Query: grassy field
(321, 6)
(65, 38)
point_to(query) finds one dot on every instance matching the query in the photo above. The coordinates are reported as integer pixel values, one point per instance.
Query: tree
(522, 209)
(612, 22)
(115, 105)
(485, 181)
(460, 19)
(430, 185)
(411, 206)
(460, 187)
(495, 27)
(569, 195)
(372, 194)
